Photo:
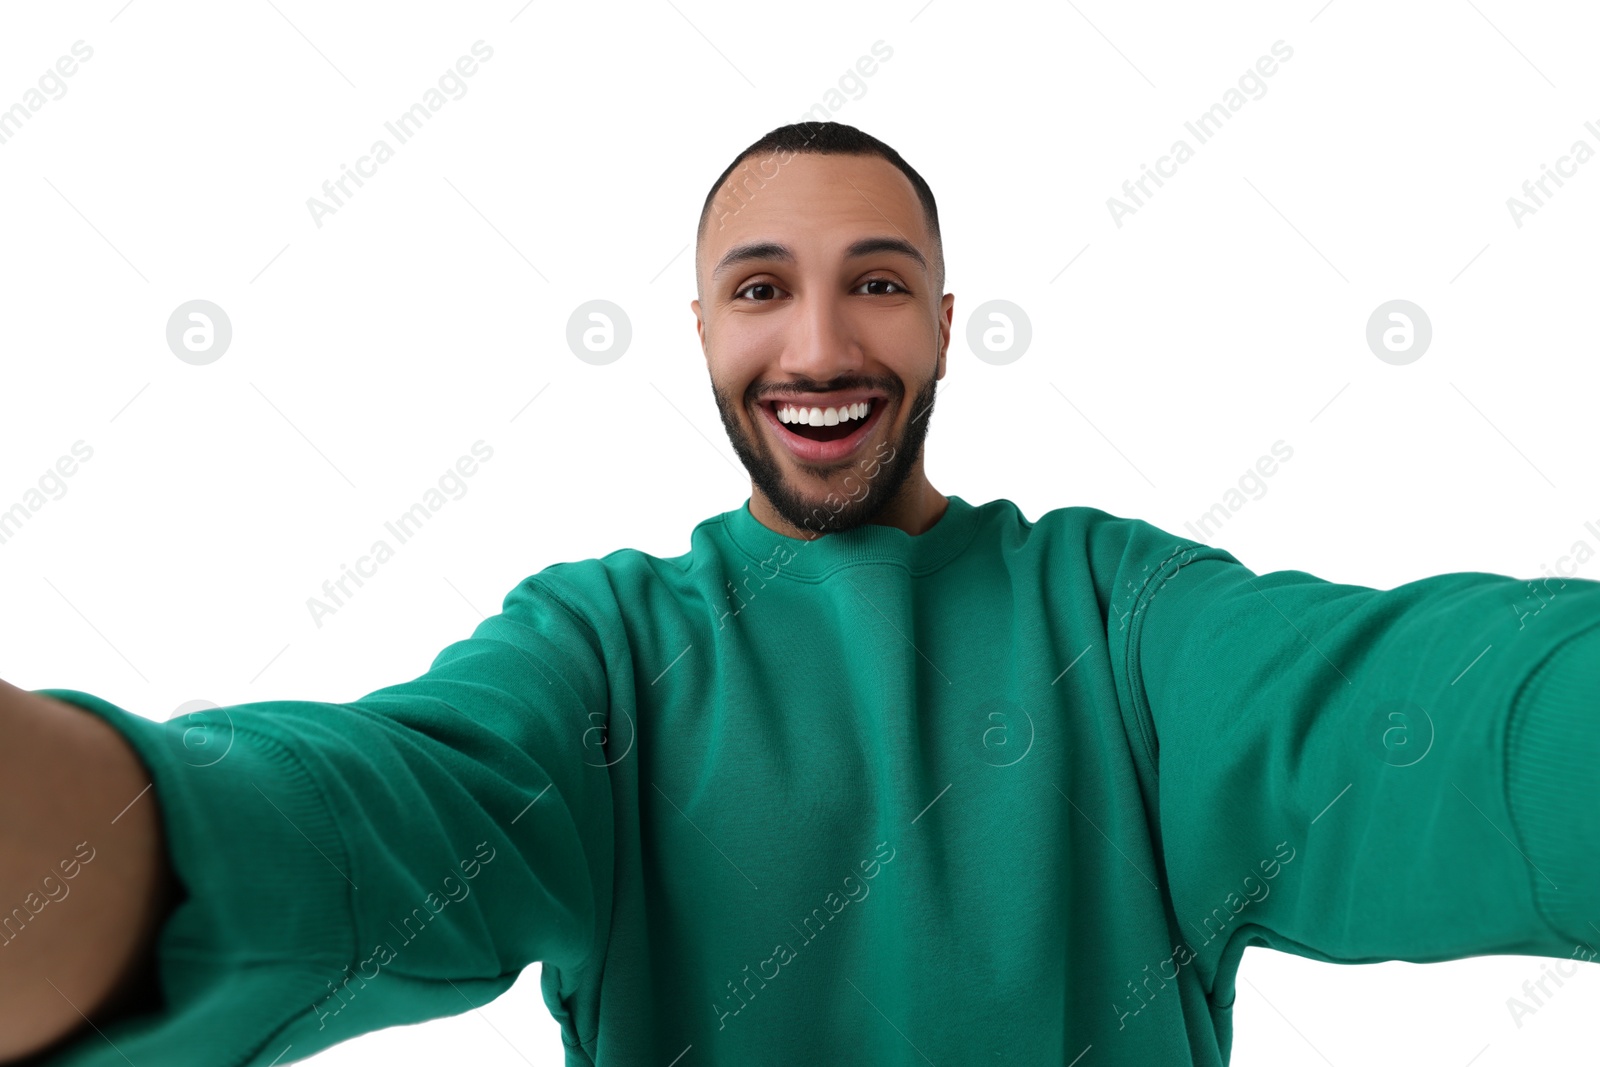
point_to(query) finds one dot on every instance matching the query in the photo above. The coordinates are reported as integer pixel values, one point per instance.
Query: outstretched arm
(79, 823)
(344, 867)
(1354, 774)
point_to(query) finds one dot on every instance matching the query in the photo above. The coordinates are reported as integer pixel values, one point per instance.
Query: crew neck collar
(812, 559)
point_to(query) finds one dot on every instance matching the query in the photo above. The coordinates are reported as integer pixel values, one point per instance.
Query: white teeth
(824, 416)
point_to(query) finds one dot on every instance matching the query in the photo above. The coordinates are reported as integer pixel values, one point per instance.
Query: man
(869, 775)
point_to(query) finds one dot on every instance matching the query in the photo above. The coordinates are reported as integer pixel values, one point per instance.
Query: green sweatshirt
(1005, 792)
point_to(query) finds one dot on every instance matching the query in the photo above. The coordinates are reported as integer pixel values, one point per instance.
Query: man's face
(812, 296)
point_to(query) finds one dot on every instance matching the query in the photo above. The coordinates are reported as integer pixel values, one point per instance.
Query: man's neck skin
(915, 509)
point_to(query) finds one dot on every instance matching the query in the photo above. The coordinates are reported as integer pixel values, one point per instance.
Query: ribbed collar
(809, 560)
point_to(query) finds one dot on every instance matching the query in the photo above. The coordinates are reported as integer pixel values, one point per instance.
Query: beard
(882, 488)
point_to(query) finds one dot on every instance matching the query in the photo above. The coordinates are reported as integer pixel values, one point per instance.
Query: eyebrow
(773, 251)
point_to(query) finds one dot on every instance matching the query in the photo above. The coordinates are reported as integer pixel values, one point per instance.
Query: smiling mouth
(817, 423)
(824, 429)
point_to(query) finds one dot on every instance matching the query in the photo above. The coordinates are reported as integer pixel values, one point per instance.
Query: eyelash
(902, 289)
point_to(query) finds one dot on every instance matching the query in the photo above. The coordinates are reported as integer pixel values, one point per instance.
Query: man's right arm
(65, 775)
(340, 867)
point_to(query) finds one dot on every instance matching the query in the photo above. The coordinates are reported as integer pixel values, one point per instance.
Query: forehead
(817, 202)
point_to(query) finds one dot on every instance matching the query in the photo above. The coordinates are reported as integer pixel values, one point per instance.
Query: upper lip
(842, 398)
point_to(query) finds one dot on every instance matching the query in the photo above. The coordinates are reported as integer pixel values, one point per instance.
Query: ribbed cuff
(266, 918)
(1553, 784)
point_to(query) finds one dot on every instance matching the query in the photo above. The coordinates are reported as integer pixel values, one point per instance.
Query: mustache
(889, 386)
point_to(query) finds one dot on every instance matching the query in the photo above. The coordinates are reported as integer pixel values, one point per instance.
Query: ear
(700, 328)
(947, 305)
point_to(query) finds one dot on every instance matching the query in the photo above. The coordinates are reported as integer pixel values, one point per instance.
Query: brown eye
(898, 288)
(767, 286)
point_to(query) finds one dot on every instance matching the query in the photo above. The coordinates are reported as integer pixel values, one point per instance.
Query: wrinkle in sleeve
(1354, 775)
(352, 866)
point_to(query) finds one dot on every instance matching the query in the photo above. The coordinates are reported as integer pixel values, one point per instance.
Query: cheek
(734, 376)
(731, 389)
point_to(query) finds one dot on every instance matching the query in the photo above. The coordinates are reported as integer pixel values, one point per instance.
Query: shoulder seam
(1143, 716)
(602, 937)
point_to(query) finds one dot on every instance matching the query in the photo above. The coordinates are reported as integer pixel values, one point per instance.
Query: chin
(820, 516)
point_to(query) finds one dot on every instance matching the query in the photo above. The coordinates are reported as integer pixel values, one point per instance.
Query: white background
(368, 354)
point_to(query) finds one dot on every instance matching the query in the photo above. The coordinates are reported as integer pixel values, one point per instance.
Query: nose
(822, 344)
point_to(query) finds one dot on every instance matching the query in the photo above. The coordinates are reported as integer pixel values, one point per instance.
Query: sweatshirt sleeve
(349, 867)
(1355, 775)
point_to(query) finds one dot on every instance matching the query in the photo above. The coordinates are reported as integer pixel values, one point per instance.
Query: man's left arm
(1354, 775)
